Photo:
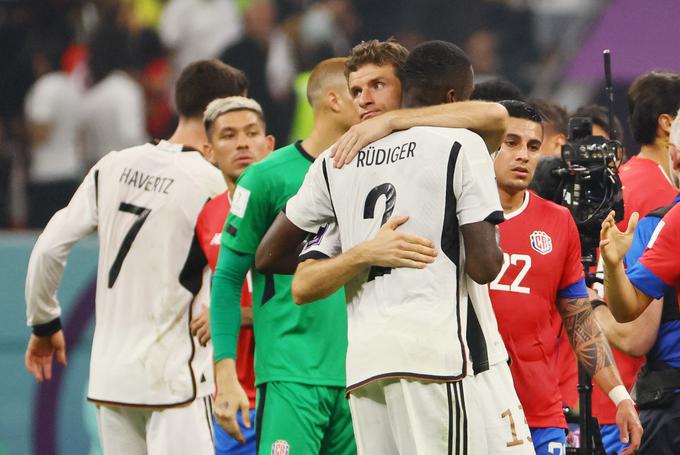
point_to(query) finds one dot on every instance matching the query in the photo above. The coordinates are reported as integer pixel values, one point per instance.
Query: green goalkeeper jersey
(305, 344)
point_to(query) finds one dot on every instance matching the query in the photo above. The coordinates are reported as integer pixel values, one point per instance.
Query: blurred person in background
(113, 112)
(52, 109)
(498, 89)
(194, 29)
(555, 119)
(265, 54)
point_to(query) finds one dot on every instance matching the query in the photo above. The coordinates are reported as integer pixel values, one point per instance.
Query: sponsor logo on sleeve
(541, 242)
(240, 201)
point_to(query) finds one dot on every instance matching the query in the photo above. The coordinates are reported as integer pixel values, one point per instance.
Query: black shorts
(661, 429)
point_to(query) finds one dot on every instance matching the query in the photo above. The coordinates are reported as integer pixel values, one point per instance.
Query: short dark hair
(497, 90)
(521, 109)
(651, 95)
(203, 81)
(600, 117)
(553, 115)
(431, 70)
(388, 52)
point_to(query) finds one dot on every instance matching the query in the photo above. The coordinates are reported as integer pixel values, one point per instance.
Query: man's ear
(451, 96)
(333, 101)
(271, 142)
(208, 153)
(664, 122)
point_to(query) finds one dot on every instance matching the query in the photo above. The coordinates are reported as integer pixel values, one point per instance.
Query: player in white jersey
(407, 352)
(149, 377)
(376, 89)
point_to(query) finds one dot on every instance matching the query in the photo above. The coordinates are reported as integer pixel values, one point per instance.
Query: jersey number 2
(513, 259)
(390, 193)
(143, 214)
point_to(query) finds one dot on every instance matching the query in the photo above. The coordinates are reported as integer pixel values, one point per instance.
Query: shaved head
(327, 75)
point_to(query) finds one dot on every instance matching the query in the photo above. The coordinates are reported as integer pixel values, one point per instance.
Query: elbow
(262, 260)
(498, 117)
(298, 294)
(484, 271)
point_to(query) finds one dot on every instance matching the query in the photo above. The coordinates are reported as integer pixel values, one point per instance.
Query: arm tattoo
(586, 336)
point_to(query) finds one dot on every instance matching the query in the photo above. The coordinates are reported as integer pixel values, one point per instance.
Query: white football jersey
(405, 322)
(152, 275)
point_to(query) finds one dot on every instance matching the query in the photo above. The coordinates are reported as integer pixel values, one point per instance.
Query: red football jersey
(209, 231)
(542, 256)
(645, 188)
(662, 259)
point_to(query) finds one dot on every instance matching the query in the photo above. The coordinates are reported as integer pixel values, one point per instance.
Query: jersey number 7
(143, 214)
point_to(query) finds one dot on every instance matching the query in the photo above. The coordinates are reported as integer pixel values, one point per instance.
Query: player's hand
(40, 352)
(390, 248)
(614, 244)
(359, 136)
(229, 400)
(200, 326)
(629, 425)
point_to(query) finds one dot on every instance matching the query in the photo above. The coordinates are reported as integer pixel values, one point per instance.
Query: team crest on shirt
(541, 242)
(280, 447)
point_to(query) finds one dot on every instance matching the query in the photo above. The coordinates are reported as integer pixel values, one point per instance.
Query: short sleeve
(39, 107)
(572, 272)
(251, 212)
(474, 183)
(312, 206)
(325, 244)
(643, 232)
(662, 256)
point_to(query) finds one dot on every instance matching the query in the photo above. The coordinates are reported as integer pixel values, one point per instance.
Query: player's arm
(634, 338)
(45, 270)
(593, 352)
(225, 320)
(625, 301)
(319, 278)
(483, 255)
(304, 213)
(484, 118)
(279, 249)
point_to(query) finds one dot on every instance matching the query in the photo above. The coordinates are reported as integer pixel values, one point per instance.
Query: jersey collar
(172, 147)
(521, 208)
(303, 152)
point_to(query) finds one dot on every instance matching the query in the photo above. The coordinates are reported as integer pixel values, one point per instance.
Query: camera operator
(655, 333)
(542, 273)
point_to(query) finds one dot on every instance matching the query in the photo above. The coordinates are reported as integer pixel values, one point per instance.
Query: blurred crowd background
(80, 78)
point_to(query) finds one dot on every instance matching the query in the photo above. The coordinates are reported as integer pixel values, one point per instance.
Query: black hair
(203, 81)
(431, 70)
(651, 95)
(553, 115)
(521, 109)
(497, 90)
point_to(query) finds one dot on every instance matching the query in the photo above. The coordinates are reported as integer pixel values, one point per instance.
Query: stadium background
(550, 49)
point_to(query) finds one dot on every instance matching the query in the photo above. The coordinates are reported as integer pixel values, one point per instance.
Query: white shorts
(411, 417)
(507, 431)
(133, 431)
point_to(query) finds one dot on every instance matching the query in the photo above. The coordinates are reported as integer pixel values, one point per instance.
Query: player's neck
(658, 151)
(231, 186)
(190, 132)
(324, 134)
(511, 200)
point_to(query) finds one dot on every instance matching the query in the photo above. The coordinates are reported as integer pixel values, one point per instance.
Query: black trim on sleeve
(96, 188)
(495, 217)
(328, 187)
(476, 341)
(191, 276)
(450, 230)
(231, 230)
(303, 152)
(47, 329)
(312, 255)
